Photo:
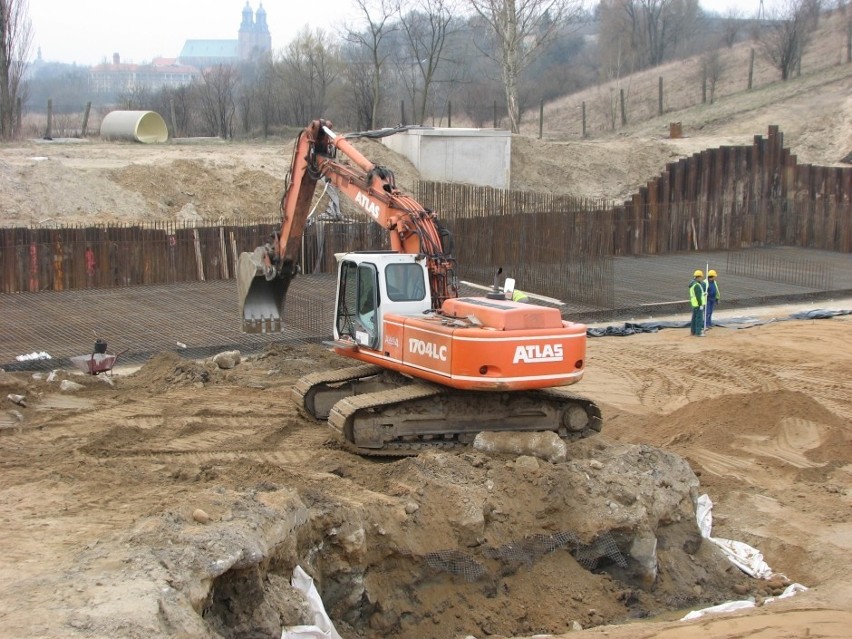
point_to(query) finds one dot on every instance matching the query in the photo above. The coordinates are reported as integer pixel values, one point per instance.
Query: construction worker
(697, 299)
(713, 297)
(520, 296)
(514, 294)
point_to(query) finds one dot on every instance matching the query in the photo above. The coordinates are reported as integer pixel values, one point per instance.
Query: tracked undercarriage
(378, 412)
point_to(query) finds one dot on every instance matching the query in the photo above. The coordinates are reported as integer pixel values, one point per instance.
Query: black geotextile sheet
(634, 328)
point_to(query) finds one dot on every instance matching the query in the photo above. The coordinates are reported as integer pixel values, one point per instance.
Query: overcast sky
(90, 31)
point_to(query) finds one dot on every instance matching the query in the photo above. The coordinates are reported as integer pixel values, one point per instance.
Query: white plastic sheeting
(322, 628)
(728, 606)
(32, 356)
(745, 557)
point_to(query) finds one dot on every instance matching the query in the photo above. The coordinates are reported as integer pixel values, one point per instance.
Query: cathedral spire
(248, 18)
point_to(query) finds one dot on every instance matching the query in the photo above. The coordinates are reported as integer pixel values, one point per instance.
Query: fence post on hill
(660, 97)
(751, 69)
(48, 132)
(623, 110)
(704, 84)
(799, 61)
(173, 117)
(541, 119)
(849, 42)
(584, 118)
(495, 114)
(84, 129)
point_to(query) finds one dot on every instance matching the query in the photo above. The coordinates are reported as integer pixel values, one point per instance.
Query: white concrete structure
(472, 156)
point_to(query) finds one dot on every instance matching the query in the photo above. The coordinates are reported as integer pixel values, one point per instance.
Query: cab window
(405, 282)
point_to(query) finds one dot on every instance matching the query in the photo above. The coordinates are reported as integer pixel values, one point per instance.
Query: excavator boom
(264, 275)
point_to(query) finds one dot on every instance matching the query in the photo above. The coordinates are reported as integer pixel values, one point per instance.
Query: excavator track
(377, 413)
(318, 392)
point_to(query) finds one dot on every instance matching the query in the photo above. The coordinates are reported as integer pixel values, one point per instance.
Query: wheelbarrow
(99, 361)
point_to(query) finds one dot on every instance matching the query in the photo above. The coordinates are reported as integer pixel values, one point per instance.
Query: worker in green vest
(519, 296)
(512, 293)
(697, 299)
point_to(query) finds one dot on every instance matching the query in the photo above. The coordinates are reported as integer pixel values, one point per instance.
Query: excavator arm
(264, 275)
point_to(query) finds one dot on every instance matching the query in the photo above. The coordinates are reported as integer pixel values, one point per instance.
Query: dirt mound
(291, 361)
(46, 190)
(745, 414)
(784, 428)
(167, 370)
(213, 191)
(444, 545)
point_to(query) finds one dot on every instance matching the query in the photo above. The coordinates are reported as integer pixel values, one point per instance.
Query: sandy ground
(100, 486)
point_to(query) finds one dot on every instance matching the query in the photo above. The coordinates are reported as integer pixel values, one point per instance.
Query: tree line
(418, 62)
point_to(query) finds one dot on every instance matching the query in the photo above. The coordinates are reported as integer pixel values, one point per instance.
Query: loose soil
(102, 487)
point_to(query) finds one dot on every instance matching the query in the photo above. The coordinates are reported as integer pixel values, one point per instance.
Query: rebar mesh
(603, 546)
(797, 271)
(201, 318)
(457, 563)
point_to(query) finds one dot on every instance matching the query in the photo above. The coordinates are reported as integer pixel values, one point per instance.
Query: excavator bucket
(261, 299)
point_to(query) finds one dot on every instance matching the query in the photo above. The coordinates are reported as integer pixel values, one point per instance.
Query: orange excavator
(436, 368)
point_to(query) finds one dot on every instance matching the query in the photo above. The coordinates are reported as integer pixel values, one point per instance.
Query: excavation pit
(447, 545)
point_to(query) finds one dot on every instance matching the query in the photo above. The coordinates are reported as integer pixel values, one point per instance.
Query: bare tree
(360, 96)
(218, 87)
(649, 31)
(267, 94)
(377, 16)
(427, 24)
(712, 67)
(521, 29)
(175, 101)
(787, 33)
(16, 38)
(136, 97)
(309, 65)
(732, 25)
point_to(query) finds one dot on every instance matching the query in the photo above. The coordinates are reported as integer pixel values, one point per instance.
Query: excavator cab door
(357, 315)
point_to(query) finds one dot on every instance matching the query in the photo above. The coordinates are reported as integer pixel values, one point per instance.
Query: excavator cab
(371, 285)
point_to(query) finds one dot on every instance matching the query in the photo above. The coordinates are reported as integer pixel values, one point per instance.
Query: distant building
(117, 78)
(254, 41)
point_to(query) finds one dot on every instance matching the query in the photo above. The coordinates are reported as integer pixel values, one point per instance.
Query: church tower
(254, 38)
(263, 39)
(246, 37)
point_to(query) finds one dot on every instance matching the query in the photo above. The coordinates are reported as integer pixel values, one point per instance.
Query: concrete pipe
(140, 126)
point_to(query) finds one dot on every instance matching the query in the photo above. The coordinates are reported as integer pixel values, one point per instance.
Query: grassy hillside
(813, 110)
